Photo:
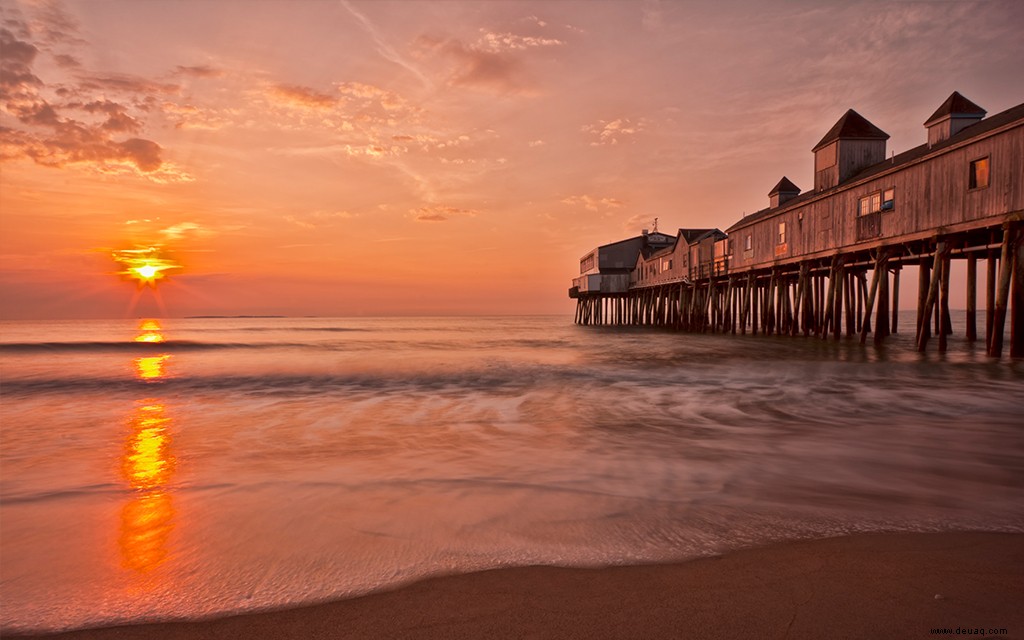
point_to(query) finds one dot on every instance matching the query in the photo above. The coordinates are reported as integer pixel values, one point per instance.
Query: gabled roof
(664, 251)
(612, 244)
(982, 127)
(852, 125)
(784, 186)
(955, 105)
(691, 235)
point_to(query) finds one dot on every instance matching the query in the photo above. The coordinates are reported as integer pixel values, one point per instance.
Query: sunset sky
(337, 157)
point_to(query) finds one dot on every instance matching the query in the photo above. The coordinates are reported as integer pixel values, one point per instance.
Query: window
(979, 174)
(782, 233)
(749, 243)
(888, 199)
(586, 264)
(870, 204)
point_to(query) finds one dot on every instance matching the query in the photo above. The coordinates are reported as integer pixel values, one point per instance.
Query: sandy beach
(873, 585)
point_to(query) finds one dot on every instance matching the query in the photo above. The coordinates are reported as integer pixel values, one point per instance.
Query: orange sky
(373, 158)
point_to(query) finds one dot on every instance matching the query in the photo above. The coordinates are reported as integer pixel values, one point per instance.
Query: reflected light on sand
(146, 524)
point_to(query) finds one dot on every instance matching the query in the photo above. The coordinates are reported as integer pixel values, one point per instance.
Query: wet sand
(865, 586)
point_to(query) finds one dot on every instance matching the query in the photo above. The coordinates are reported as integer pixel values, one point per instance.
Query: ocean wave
(294, 383)
(141, 347)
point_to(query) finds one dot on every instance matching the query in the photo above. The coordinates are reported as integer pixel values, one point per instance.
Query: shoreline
(892, 585)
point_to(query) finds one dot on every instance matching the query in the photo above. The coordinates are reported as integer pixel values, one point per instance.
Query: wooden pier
(827, 263)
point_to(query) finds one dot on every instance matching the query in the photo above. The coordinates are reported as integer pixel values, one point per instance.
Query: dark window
(979, 174)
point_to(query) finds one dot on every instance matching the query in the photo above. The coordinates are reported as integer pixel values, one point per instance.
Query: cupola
(850, 146)
(956, 114)
(782, 192)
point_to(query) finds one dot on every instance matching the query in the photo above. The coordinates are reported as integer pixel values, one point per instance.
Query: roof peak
(784, 186)
(852, 125)
(955, 105)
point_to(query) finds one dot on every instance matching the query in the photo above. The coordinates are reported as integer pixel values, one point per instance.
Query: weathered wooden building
(802, 263)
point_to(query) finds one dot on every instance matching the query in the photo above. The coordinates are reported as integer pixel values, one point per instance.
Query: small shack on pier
(608, 268)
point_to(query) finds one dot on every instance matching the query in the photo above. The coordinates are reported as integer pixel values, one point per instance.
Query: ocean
(181, 468)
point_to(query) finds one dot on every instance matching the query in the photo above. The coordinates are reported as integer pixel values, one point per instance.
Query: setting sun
(144, 265)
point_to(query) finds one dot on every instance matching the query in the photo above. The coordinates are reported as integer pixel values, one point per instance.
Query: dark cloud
(58, 134)
(199, 71)
(52, 25)
(67, 61)
(501, 71)
(440, 213)
(16, 64)
(127, 84)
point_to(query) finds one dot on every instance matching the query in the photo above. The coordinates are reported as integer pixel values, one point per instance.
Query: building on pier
(801, 264)
(608, 268)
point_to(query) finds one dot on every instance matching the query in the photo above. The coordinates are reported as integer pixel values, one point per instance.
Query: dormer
(849, 147)
(956, 114)
(782, 192)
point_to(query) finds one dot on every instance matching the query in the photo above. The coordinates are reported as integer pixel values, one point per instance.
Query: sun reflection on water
(151, 367)
(147, 465)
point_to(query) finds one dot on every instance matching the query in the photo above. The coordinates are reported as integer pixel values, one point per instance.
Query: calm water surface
(181, 468)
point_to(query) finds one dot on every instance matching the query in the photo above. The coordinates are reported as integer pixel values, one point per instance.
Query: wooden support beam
(829, 302)
(947, 321)
(755, 309)
(837, 321)
(849, 292)
(972, 297)
(923, 286)
(944, 304)
(990, 298)
(1017, 299)
(933, 294)
(869, 306)
(882, 315)
(1002, 291)
(895, 298)
(861, 293)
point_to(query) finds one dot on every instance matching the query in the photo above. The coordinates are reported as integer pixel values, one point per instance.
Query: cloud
(440, 213)
(387, 100)
(640, 220)
(127, 84)
(317, 219)
(593, 203)
(610, 132)
(497, 42)
(180, 230)
(535, 143)
(66, 61)
(54, 26)
(188, 116)
(479, 68)
(199, 71)
(298, 96)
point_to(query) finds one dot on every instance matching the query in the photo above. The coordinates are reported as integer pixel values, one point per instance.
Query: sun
(146, 271)
(145, 265)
